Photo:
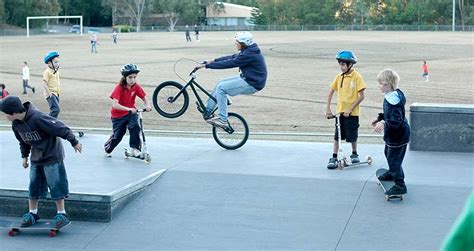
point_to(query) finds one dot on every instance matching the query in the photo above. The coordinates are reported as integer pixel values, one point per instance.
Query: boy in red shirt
(124, 112)
(425, 75)
(3, 92)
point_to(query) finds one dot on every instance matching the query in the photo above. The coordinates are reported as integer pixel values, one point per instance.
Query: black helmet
(129, 69)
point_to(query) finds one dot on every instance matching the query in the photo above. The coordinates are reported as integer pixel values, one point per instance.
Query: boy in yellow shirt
(51, 82)
(350, 87)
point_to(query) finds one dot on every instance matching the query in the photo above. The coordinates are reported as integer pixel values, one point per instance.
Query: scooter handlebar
(332, 116)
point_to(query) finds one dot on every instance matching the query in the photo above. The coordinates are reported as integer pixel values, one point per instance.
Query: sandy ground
(301, 66)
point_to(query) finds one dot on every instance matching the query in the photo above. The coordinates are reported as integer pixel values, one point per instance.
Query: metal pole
(27, 27)
(454, 15)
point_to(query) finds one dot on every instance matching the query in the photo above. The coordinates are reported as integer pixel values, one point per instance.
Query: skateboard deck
(386, 185)
(14, 227)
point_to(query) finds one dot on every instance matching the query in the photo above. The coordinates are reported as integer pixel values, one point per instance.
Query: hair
(25, 62)
(389, 77)
(2, 86)
(123, 82)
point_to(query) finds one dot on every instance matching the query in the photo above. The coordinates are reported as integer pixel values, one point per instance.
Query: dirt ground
(301, 65)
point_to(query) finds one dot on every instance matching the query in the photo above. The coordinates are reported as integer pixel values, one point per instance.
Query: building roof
(229, 10)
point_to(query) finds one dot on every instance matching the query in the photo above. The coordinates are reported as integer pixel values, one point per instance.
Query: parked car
(93, 30)
(75, 29)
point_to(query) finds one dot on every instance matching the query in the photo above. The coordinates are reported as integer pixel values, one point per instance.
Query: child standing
(3, 93)
(26, 78)
(395, 127)
(51, 82)
(425, 75)
(94, 42)
(350, 87)
(124, 112)
(114, 37)
(40, 135)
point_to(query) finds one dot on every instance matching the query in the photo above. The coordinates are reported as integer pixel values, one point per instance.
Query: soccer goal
(78, 30)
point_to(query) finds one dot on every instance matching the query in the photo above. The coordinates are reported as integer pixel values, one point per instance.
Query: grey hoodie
(39, 133)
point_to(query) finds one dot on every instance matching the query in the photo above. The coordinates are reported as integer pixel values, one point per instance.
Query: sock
(62, 212)
(354, 152)
(34, 211)
(334, 155)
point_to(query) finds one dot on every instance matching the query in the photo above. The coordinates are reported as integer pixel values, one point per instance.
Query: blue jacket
(40, 134)
(397, 129)
(251, 63)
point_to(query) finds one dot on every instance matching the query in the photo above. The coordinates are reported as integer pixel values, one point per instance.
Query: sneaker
(135, 152)
(107, 155)
(24, 93)
(332, 164)
(29, 219)
(397, 190)
(33, 89)
(217, 122)
(61, 220)
(205, 115)
(385, 176)
(355, 158)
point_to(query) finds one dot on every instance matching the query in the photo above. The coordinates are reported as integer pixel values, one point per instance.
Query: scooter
(342, 160)
(144, 155)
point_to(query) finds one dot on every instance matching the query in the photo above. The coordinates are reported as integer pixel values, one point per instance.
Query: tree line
(267, 12)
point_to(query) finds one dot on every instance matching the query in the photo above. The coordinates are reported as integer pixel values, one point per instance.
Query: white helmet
(244, 37)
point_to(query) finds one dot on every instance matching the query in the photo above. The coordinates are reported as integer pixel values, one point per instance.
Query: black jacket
(38, 133)
(397, 129)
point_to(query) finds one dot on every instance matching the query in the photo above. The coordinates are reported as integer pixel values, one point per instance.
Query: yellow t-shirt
(348, 91)
(52, 80)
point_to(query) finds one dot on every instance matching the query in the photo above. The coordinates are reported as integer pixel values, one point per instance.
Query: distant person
(350, 87)
(26, 78)
(124, 112)
(3, 93)
(94, 42)
(51, 83)
(196, 32)
(40, 135)
(252, 77)
(425, 74)
(114, 37)
(187, 32)
(394, 125)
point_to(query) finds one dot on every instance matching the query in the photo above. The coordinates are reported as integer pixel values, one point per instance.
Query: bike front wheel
(235, 135)
(168, 100)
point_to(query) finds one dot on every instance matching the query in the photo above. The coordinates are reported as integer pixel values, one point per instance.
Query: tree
(17, 11)
(2, 12)
(135, 9)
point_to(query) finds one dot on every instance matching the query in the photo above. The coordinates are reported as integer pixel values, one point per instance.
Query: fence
(459, 28)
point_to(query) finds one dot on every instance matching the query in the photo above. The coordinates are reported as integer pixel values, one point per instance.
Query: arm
(24, 149)
(238, 60)
(146, 101)
(395, 119)
(116, 105)
(56, 128)
(355, 104)
(328, 105)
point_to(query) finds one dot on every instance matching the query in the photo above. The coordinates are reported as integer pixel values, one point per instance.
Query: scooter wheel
(147, 158)
(369, 159)
(341, 164)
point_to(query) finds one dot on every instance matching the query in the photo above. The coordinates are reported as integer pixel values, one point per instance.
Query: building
(227, 14)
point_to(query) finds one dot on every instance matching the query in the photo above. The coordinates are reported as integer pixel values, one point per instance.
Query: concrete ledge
(80, 206)
(442, 127)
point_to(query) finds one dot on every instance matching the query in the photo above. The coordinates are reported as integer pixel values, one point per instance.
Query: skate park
(271, 193)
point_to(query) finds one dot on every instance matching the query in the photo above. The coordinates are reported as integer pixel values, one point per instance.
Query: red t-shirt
(425, 68)
(126, 97)
(4, 94)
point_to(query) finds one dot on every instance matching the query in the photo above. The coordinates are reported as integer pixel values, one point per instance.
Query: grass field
(301, 66)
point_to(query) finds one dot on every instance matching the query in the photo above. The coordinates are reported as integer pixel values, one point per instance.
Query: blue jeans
(93, 47)
(228, 86)
(52, 176)
(119, 126)
(53, 102)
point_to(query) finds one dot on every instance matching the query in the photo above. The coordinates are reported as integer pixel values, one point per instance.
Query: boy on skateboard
(40, 134)
(350, 87)
(396, 130)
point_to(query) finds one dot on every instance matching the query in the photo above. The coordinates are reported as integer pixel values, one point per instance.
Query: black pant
(395, 157)
(119, 126)
(26, 85)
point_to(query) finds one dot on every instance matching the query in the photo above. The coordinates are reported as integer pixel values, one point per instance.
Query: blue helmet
(346, 56)
(50, 56)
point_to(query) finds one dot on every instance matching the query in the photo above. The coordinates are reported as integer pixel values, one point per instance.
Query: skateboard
(386, 185)
(14, 227)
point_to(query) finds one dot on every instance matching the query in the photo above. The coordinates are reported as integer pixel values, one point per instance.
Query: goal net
(53, 25)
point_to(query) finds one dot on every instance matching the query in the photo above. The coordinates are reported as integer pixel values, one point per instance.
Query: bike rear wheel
(235, 135)
(163, 99)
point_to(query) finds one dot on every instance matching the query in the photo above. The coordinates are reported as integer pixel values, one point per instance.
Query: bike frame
(192, 83)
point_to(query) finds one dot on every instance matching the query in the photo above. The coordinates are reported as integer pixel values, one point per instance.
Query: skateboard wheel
(341, 164)
(52, 233)
(147, 158)
(11, 233)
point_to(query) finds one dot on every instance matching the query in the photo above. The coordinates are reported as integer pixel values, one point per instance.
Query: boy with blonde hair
(350, 87)
(396, 129)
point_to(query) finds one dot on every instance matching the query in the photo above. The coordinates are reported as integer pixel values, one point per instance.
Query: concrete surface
(269, 195)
